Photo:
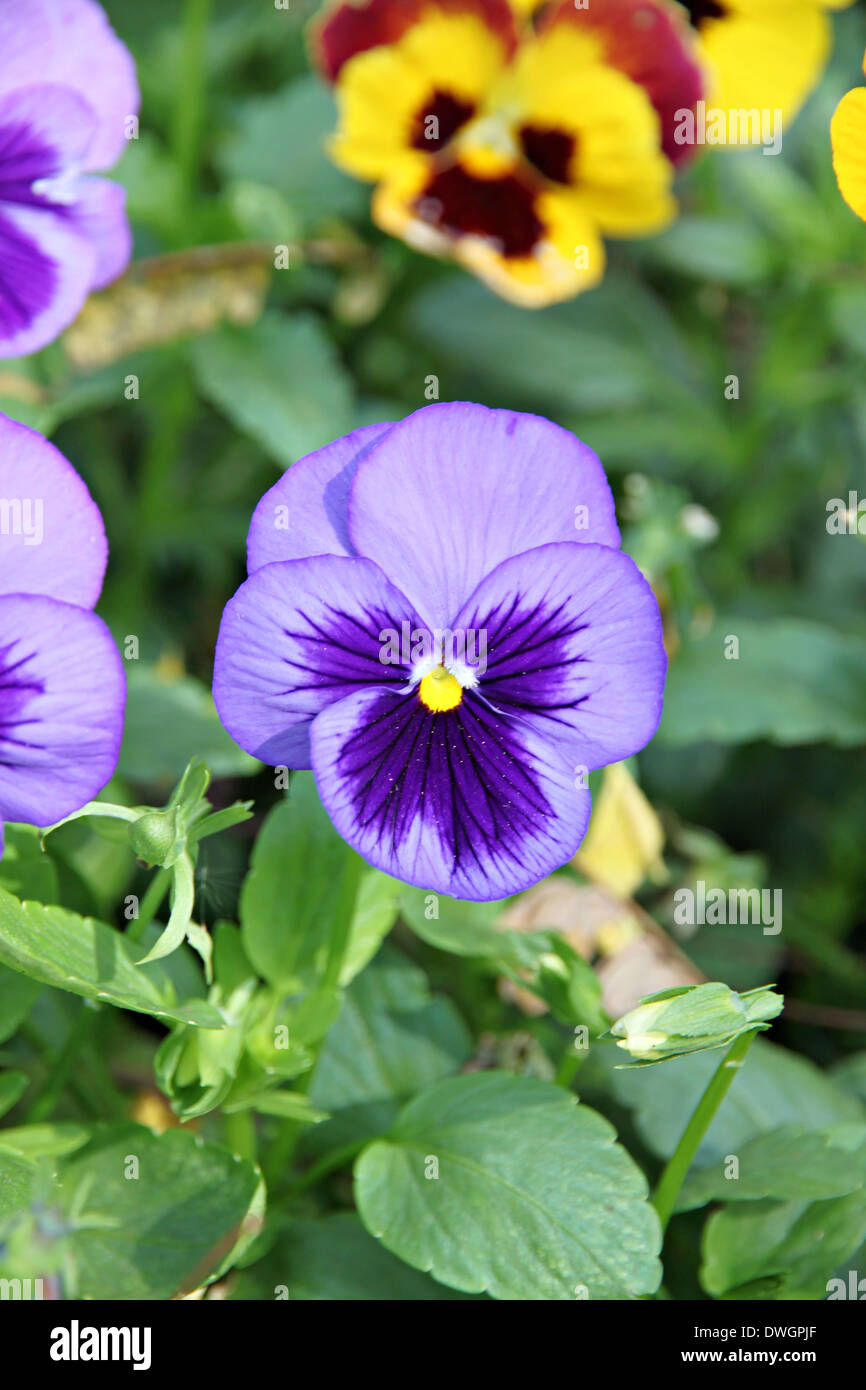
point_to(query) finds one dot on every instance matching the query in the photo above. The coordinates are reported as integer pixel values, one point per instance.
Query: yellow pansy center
(440, 691)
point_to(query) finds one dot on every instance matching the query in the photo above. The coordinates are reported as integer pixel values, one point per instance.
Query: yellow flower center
(440, 691)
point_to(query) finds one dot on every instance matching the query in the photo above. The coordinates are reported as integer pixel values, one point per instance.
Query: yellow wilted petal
(153, 1110)
(625, 838)
(168, 297)
(848, 137)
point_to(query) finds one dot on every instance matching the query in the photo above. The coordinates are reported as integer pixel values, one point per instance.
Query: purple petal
(62, 693)
(44, 130)
(574, 649)
(305, 513)
(52, 540)
(295, 637)
(463, 802)
(455, 489)
(99, 214)
(71, 43)
(46, 269)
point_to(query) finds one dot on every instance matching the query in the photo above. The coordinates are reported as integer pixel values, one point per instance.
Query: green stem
(189, 109)
(90, 1083)
(669, 1184)
(79, 1085)
(160, 461)
(48, 1096)
(239, 1133)
(173, 409)
(328, 1163)
(569, 1065)
(150, 904)
(567, 1069)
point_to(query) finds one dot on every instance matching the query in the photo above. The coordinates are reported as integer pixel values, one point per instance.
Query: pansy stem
(669, 1184)
(569, 1065)
(45, 1101)
(150, 904)
(327, 1164)
(157, 498)
(239, 1133)
(189, 110)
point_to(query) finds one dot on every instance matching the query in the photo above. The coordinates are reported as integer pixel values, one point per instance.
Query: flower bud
(154, 835)
(692, 1018)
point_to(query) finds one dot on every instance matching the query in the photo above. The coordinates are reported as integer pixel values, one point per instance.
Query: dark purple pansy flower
(439, 621)
(67, 94)
(62, 687)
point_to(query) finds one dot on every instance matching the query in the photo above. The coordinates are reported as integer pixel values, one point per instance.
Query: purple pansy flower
(67, 92)
(439, 621)
(62, 686)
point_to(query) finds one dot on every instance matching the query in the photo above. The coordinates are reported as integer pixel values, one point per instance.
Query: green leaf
(17, 997)
(784, 203)
(534, 1198)
(300, 887)
(391, 1039)
(333, 1259)
(79, 954)
(541, 961)
(26, 870)
(847, 307)
(794, 681)
(18, 1177)
(792, 1247)
(376, 910)
(466, 928)
(231, 964)
(850, 1074)
(554, 357)
(722, 250)
(296, 164)
(288, 1105)
(283, 1034)
(152, 1215)
(279, 381)
(790, 1163)
(177, 927)
(44, 1140)
(13, 1084)
(169, 720)
(774, 1088)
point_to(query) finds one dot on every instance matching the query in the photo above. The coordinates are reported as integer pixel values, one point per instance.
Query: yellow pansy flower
(764, 54)
(515, 135)
(513, 147)
(848, 137)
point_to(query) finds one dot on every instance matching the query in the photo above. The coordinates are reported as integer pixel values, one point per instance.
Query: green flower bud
(197, 1067)
(692, 1018)
(637, 1033)
(154, 835)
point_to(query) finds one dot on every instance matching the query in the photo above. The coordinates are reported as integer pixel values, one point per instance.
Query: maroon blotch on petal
(345, 30)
